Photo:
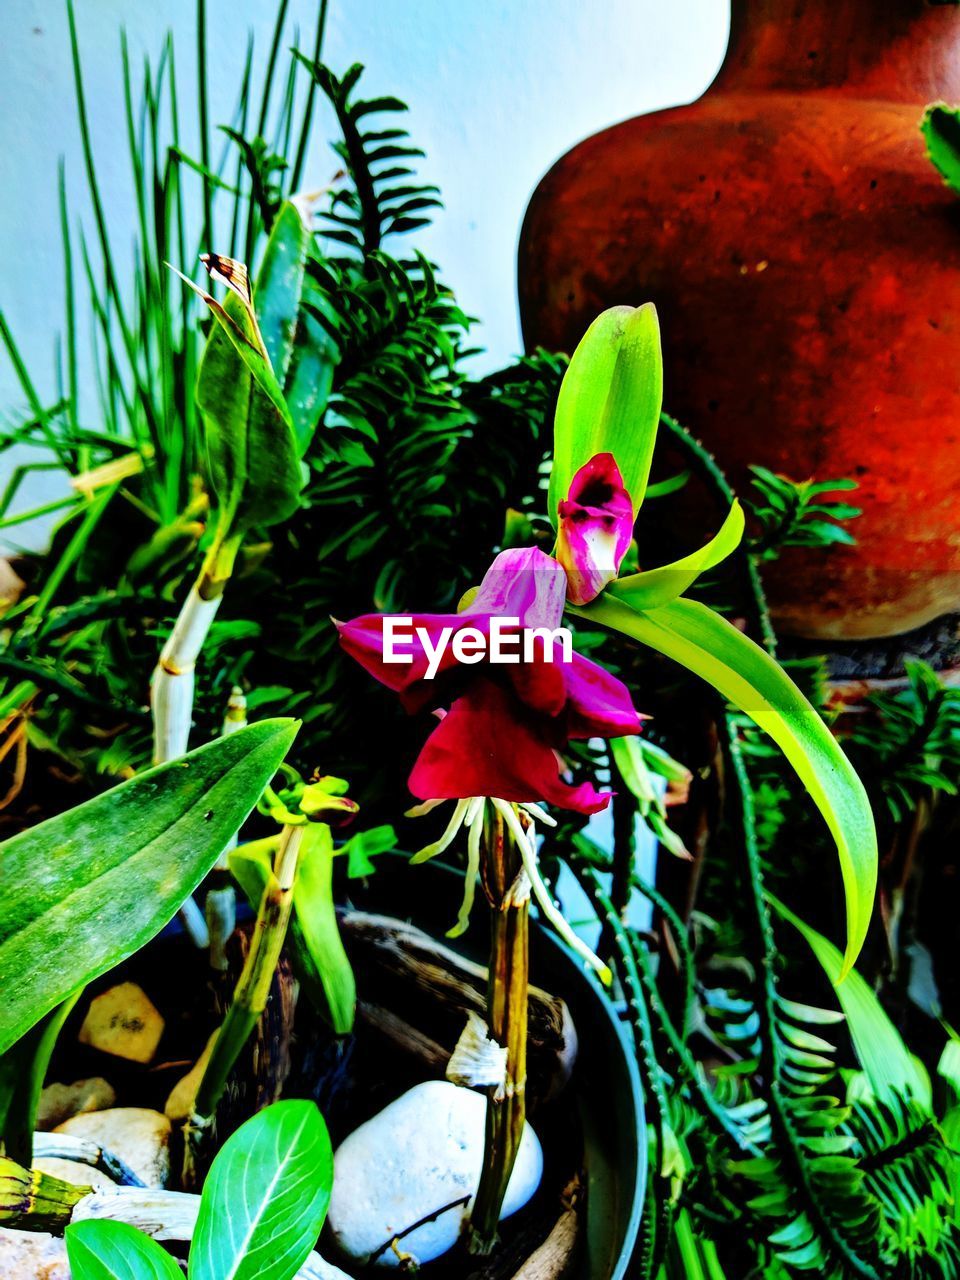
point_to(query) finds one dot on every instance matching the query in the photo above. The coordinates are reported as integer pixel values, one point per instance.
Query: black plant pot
(604, 1093)
(602, 1104)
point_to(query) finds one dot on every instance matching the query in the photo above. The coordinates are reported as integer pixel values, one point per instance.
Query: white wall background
(497, 89)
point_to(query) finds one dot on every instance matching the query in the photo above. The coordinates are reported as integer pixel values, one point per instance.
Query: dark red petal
(487, 746)
(541, 685)
(598, 704)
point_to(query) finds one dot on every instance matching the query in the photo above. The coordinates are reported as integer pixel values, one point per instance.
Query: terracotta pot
(805, 258)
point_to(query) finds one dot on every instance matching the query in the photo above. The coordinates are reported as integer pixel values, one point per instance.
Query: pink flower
(506, 723)
(596, 525)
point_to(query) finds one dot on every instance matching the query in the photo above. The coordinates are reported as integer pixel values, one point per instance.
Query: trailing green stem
(787, 1141)
(711, 472)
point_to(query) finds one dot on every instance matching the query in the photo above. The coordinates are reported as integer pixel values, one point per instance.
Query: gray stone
(417, 1156)
(32, 1255)
(58, 1102)
(137, 1136)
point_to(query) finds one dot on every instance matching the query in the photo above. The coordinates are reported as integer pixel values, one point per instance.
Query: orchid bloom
(505, 724)
(595, 528)
(499, 742)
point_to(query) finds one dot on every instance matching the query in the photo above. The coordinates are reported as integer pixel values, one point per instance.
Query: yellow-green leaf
(656, 587)
(742, 672)
(610, 400)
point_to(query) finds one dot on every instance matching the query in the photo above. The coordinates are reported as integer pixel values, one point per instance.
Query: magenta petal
(598, 704)
(487, 745)
(522, 583)
(363, 638)
(596, 525)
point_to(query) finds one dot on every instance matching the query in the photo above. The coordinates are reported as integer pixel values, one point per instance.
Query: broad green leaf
(279, 289)
(656, 587)
(22, 1071)
(253, 455)
(86, 889)
(321, 961)
(940, 127)
(609, 401)
(748, 677)
(301, 351)
(886, 1060)
(105, 1250)
(265, 1197)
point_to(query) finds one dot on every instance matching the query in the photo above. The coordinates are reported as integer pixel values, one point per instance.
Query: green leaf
(748, 677)
(279, 288)
(22, 1071)
(940, 127)
(363, 847)
(253, 456)
(317, 918)
(300, 351)
(104, 1250)
(609, 401)
(86, 889)
(656, 587)
(887, 1062)
(265, 1197)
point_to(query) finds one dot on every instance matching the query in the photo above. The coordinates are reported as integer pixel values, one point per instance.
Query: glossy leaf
(99, 1249)
(265, 1197)
(253, 453)
(748, 677)
(610, 400)
(887, 1062)
(301, 352)
(86, 889)
(656, 587)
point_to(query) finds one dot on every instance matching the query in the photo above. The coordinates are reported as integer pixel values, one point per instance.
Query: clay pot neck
(900, 50)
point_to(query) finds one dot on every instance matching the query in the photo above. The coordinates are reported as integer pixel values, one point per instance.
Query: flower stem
(507, 994)
(172, 683)
(249, 998)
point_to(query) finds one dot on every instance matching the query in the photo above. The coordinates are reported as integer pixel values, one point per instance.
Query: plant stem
(172, 682)
(221, 904)
(249, 997)
(507, 995)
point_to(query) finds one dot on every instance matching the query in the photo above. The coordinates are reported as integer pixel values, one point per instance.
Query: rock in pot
(418, 1156)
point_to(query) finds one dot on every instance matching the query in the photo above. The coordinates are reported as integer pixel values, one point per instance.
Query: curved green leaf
(609, 401)
(86, 889)
(742, 672)
(265, 1198)
(23, 1069)
(656, 587)
(99, 1249)
(887, 1062)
